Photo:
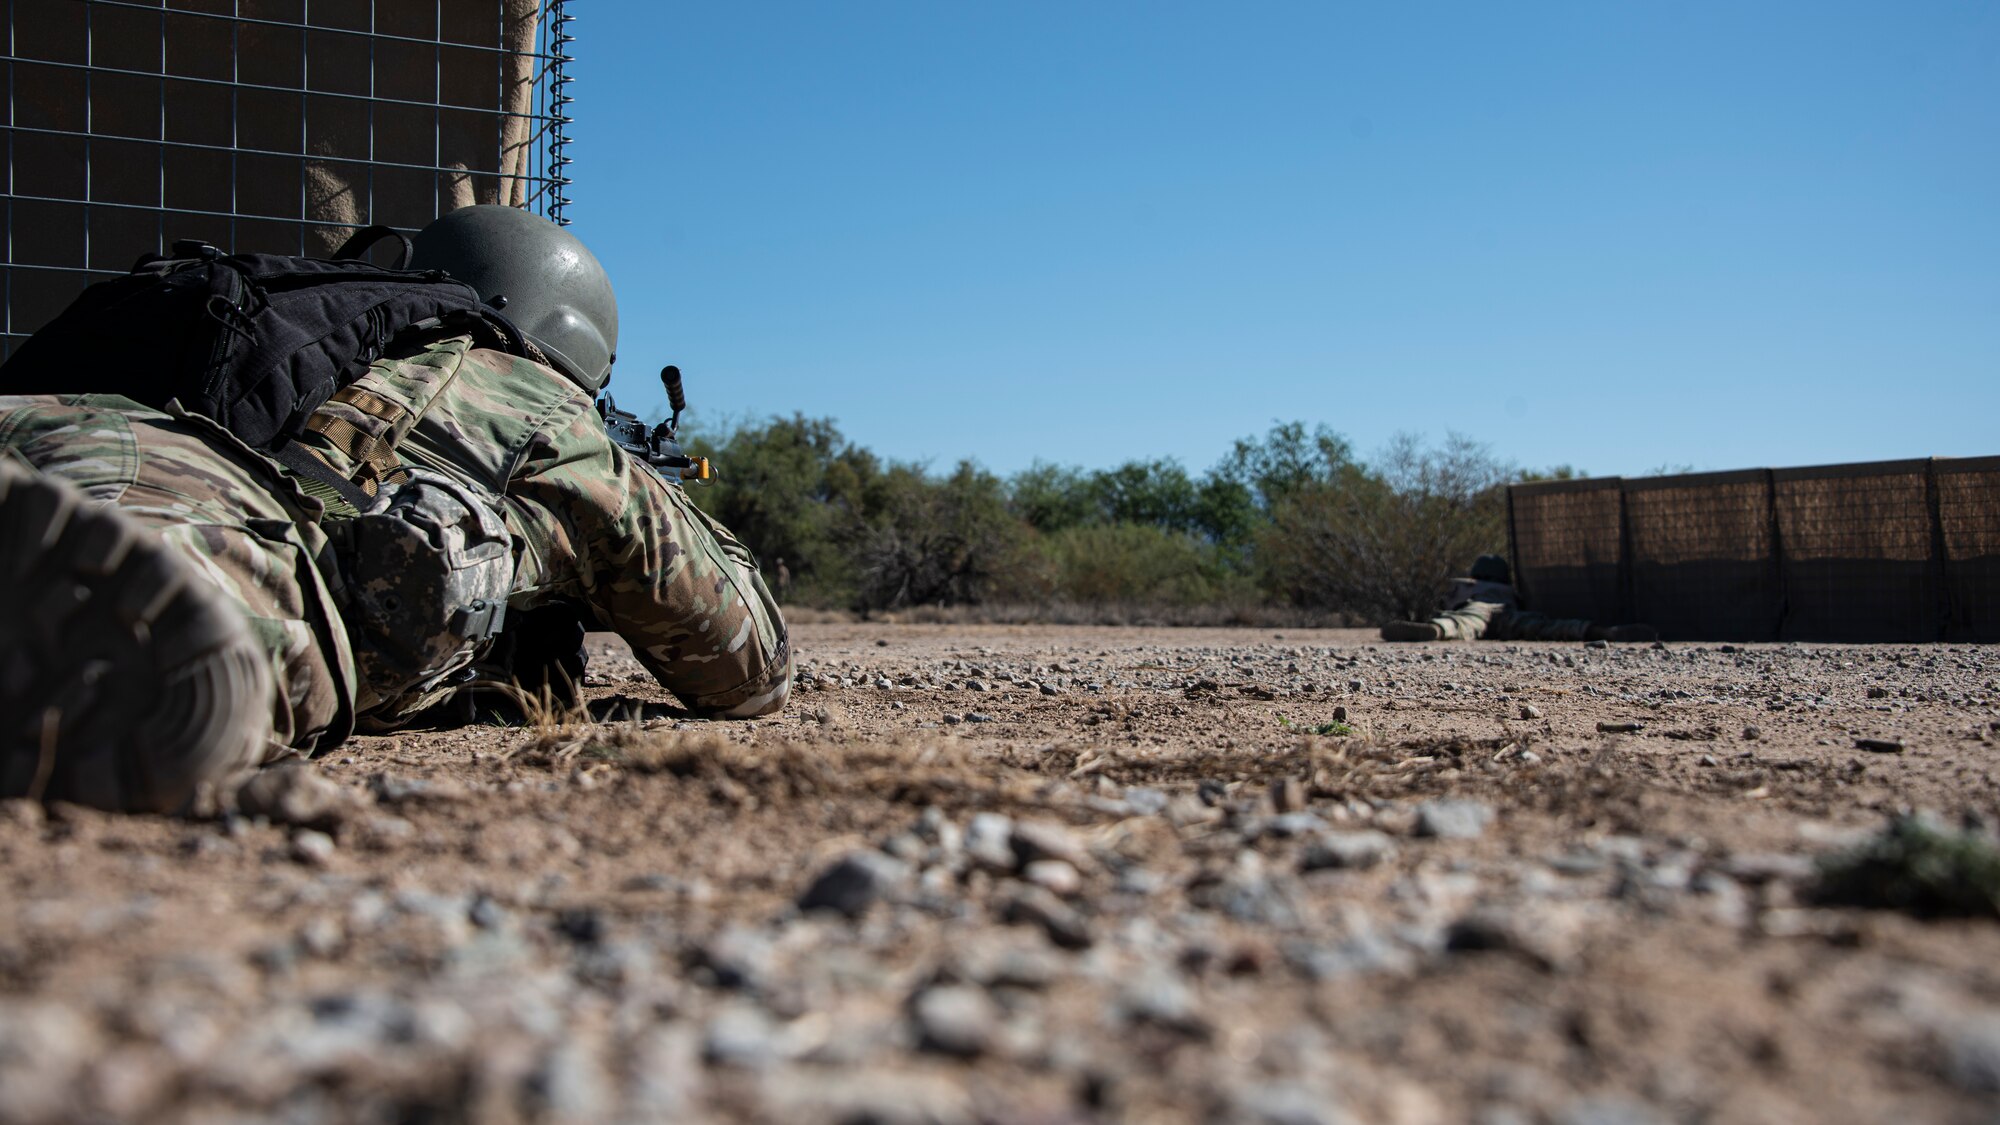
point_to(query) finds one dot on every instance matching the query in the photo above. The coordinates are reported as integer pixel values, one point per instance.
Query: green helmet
(546, 281)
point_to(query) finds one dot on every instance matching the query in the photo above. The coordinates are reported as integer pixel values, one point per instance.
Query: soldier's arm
(682, 591)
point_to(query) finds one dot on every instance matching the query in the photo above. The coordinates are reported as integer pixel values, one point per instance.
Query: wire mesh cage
(1880, 551)
(278, 126)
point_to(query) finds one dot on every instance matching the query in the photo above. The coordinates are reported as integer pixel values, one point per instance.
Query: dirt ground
(1021, 874)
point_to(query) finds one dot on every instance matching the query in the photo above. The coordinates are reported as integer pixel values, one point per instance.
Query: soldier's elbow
(768, 702)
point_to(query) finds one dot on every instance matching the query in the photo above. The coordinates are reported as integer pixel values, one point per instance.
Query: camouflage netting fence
(1887, 551)
(263, 125)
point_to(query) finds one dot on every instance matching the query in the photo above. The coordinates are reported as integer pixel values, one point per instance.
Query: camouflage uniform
(587, 524)
(243, 523)
(1491, 610)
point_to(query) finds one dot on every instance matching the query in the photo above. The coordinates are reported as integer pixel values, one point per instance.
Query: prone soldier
(176, 605)
(1484, 604)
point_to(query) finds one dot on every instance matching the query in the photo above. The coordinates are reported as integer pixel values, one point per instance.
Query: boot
(126, 680)
(1412, 631)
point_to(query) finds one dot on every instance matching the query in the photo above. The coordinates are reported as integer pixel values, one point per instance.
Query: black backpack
(255, 341)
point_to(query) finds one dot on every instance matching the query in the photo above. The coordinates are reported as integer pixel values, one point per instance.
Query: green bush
(1289, 519)
(1384, 542)
(921, 541)
(1131, 563)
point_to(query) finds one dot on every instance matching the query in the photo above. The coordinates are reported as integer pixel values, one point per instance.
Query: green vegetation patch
(1918, 868)
(1333, 729)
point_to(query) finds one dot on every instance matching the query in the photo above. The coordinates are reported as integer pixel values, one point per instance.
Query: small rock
(952, 720)
(1769, 867)
(1620, 728)
(1041, 839)
(296, 794)
(321, 936)
(21, 813)
(988, 840)
(392, 790)
(1347, 850)
(1140, 881)
(1023, 968)
(1880, 745)
(1611, 1109)
(582, 925)
(1597, 644)
(977, 717)
(1160, 998)
(741, 1035)
(1051, 689)
(1340, 714)
(1453, 819)
(1972, 1055)
(1752, 733)
(1878, 693)
(486, 913)
(955, 1020)
(737, 958)
(1037, 906)
(1543, 941)
(854, 882)
(1054, 874)
(1530, 711)
(1284, 827)
(312, 847)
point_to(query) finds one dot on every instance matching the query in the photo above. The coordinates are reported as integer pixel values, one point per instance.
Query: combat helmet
(541, 276)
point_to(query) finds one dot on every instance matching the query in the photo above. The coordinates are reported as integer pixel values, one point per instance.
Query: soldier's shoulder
(492, 363)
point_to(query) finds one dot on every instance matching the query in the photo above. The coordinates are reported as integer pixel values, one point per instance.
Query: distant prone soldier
(1484, 604)
(178, 602)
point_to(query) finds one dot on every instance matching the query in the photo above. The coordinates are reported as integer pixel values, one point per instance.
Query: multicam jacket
(589, 524)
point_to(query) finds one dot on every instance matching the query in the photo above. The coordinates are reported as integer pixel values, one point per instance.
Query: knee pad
(426, 572)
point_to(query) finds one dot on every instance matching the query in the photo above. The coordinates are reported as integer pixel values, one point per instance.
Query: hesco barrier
(1884, 551)
(277, 126)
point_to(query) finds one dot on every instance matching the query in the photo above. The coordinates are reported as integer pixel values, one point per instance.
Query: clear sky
(1617, 236)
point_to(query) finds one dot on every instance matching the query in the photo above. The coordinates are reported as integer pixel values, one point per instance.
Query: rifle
(658, 448)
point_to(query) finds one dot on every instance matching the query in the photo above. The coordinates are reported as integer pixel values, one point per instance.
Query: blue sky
(1617, 236)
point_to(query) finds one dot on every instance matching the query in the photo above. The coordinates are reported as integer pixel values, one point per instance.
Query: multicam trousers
(1493, 621)
(225, 509)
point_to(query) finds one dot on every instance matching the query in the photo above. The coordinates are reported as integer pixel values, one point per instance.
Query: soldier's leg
(216, 510)
(1468, 622)
(125, 683)
(1527, 625)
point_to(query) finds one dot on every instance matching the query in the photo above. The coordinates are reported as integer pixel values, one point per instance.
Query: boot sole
(1411, 631)
(126, 681)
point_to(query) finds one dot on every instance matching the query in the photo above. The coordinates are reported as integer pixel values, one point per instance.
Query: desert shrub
(1289, 520)
(1134, 563)
(1384, 542)
(938, 542)
(791, 488)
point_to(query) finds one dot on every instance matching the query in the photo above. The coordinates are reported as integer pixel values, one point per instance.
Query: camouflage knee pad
(426, 570)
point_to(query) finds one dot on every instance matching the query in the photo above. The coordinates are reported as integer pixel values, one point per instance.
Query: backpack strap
(361, 241)
(365, 433)
(340, 497)
(355, 432)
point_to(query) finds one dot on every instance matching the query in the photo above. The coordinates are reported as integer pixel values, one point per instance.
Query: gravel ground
(1053, 874)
